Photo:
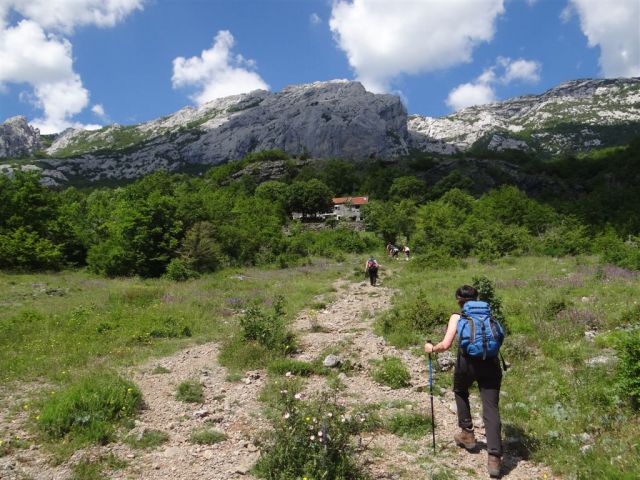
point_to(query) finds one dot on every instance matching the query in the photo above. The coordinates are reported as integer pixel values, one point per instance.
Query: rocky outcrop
(18, 138)
(577, 115)
(321, 120)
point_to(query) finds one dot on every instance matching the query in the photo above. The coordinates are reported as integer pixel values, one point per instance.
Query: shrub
(148, 439)
(268, 330)
(190, 391)
(436, 259)
(487, 293)
(628, 368)
(311, 439)
(180, 269)
(391, 371)
(90, 408)
(207, 436)
(22, 249)
(413, 425)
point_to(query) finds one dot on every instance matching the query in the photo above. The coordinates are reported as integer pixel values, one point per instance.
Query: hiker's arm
(446, 342)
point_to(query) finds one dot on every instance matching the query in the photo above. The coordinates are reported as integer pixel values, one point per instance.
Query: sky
(88, 63)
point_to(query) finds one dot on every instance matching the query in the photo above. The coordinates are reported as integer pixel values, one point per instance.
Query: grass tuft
(207, 436)
(148, 439)
(190, 391)
(391, 371)
(90, 409)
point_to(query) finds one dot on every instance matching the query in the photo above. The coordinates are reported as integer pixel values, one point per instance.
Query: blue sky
(91, 62)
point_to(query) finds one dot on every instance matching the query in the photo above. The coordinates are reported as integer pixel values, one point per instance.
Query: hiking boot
(465, 439)
(493, 466)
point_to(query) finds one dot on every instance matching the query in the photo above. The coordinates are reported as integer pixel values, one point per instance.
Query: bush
(21, 249)
(628, 368)
(190, 391)
(207, 436)
(181, 269)
(311, 439)
(391, 371)
(413, 425)
(90, 408)
(435, 259)
(269, 330)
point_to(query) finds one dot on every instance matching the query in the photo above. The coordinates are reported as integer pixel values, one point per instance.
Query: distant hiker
(394, 251)
(479, 339)
(371, 269)
(407, 252)
(389, 248)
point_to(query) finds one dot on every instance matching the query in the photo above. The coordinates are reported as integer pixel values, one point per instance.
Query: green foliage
(21, 249)
(190, 391)
(309, 197)
(207, 436)
(269, 330)
(413, 319)
(95, 470)
(487, 293)
(628, 368)
(148, 439)
(391, 371)
(407, 188)
(181, 269)
(200, 248)
(90, 409)
(409, 424)
(310, 439)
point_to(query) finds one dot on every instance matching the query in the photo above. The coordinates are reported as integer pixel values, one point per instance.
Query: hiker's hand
(428, 347)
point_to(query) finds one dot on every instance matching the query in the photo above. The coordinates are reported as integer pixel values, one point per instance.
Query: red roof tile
(351, 200)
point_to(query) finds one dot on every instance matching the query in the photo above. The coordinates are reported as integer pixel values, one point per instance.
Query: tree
(309, 197)
(407, 188)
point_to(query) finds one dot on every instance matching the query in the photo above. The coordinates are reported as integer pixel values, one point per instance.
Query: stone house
(347, 208)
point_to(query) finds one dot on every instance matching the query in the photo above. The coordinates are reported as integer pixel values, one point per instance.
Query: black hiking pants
(373, 275)
(489, 377)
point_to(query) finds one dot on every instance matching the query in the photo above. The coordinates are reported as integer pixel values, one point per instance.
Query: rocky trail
(345, 328)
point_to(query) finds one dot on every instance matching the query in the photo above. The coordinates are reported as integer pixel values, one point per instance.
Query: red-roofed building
(348, 208)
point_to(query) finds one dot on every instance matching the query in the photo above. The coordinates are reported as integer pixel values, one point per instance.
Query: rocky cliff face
(18, 138)
(576, 115)
(335, 119)
(323, 119)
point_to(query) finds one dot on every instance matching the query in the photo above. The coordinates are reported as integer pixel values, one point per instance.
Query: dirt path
(345, 326)
(348, 324)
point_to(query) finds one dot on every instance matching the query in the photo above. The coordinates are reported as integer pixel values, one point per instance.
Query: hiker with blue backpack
(479, 339)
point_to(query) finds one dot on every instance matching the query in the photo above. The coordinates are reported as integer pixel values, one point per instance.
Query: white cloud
(216, 72)
(66, 14)
(614, 26)
(527, 71)
(469, 94)
(482, 91)
(32, 53)
(98, 110)
(315, 19)
(385, 39)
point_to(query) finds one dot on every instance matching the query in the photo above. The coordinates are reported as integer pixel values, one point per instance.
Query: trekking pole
(433, 419)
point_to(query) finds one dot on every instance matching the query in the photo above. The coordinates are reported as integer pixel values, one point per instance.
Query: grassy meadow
(55, 327)
(561, 402)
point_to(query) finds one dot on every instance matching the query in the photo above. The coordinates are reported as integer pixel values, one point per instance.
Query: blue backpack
(479, 334)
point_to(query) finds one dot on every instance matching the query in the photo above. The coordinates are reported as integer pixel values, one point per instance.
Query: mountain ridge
(334, 119)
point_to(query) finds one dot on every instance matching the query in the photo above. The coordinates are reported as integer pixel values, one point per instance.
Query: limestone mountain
(335, 119)
(574, 116)
(18, 138)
